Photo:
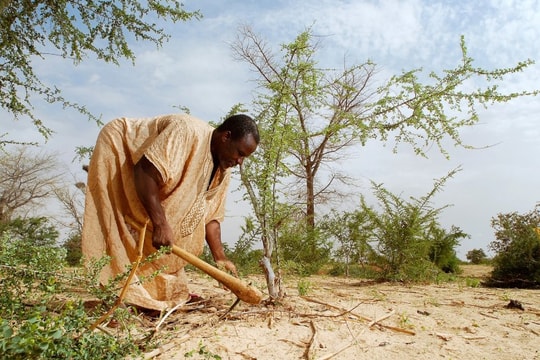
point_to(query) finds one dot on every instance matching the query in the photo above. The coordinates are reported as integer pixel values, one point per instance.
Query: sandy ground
(353, 319)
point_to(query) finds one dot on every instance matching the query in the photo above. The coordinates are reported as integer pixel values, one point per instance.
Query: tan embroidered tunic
(179, 147)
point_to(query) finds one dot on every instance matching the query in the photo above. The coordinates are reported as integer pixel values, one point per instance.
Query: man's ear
(226, 136)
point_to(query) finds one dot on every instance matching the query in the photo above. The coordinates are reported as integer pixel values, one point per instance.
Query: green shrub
(43, 335)
(303, 251)
(408, 241)
(39, 317)
(73, 249)
(517, 247)
(304, 287)
(519, 264)
(472, 282)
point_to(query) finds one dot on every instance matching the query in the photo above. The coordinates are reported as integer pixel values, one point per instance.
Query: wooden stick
(142, 234)
(384, 317)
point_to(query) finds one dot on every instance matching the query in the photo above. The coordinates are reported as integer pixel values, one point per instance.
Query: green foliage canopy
(423, 112)
(443, 243)
(30, 30)
(349, 232)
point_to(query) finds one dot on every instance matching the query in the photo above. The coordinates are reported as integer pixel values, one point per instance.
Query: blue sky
(196, 69)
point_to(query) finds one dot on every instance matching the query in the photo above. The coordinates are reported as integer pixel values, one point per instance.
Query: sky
(196, 69)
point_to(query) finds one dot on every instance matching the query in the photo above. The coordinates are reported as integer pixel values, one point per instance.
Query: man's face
(233, 152)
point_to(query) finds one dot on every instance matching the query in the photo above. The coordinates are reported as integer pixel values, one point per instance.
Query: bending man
(175, 171)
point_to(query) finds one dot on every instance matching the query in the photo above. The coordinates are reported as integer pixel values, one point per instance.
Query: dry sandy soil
(354, 319)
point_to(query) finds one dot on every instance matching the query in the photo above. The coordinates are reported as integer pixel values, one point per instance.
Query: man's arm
(213, 239)
(147, 183)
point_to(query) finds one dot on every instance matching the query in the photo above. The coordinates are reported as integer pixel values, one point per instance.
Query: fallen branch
(236, 302)
(445, 337)
(474, 337)
(396, 329)
(167, 315)
(487, 315)
(311, 340)
(162, 349)
(329, 356)
(405, 331)
(295, 343)
(381, 319)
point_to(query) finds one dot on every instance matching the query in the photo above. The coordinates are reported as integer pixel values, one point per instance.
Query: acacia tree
(27, 180)
(32, 31)
(291, 96)
(311, 114)
(71, 198)
(476, 256)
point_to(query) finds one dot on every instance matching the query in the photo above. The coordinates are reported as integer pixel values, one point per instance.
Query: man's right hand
(162, 236)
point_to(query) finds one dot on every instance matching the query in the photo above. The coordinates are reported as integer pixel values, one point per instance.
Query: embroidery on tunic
(193, 217)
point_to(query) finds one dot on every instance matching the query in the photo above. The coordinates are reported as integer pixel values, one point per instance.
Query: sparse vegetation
(201, 353)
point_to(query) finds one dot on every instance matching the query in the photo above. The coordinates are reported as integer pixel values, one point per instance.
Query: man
(173, 170)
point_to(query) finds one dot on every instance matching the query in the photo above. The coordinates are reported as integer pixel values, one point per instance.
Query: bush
(41, 335)
(443, 243)
(407, 238)
(519, 264)
(34, 323)
(27, 272)
(303, 251)
(73, 249)
(517, 244)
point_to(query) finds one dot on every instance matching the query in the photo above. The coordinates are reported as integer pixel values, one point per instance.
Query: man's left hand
(227, 265)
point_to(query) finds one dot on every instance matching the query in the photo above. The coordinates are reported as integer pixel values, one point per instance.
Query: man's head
(234, 140)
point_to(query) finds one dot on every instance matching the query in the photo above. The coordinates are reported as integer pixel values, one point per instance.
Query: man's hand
(228, 266)
(162, 236)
